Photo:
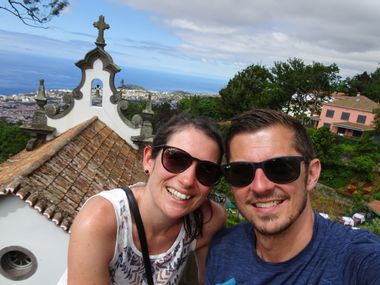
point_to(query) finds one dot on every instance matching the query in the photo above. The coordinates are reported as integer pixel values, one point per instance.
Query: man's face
(271, 207)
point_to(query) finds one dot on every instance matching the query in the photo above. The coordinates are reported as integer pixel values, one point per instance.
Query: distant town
(19, 108)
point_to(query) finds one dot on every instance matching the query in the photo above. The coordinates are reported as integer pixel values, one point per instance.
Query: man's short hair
(257, 119)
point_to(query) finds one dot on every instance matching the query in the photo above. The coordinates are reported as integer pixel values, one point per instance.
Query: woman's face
(178, 194)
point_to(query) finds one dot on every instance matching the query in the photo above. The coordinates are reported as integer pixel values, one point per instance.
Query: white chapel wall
(21, 225)
(83, 109)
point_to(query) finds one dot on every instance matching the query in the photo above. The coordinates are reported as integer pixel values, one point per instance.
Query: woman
(182, 165)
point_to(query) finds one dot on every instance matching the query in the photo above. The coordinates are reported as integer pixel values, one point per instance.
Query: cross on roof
(101, 26)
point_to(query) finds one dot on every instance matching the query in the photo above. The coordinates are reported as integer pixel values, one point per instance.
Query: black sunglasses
(279, 170)
(176, 160)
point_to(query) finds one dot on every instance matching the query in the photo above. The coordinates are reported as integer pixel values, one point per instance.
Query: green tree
(134, 107)
(201, 106)
(372, 88)
(12, 140)
(303, 87)
(323, 141)
(162, 113)
(34, 13)
(357, 83)
(364, 83)
(323, 80)
(364, 166)
(190, 104)
(342, 86)
(292, 84)
(376, 121)
(250, 88)
(366, 145)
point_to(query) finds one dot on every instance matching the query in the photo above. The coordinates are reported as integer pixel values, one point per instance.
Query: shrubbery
(373, 226)
(12, 140)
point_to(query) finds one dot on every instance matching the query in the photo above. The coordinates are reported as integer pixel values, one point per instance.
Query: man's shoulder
(236, 240)
(239, 231)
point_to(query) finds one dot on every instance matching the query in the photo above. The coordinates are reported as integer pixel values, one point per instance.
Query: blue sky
(211, 39)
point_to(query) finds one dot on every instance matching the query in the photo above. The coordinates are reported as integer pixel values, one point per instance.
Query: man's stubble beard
(283, 228)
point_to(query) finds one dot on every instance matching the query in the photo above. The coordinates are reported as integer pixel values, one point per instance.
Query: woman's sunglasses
(281, 170)
(176, 160)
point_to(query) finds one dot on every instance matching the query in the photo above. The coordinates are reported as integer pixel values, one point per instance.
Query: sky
(211, 39)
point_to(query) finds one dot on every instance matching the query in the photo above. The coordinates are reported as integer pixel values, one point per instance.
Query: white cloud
(280, 37)
(251, 31)
(191, 26)
(42, 45)
(213, 37)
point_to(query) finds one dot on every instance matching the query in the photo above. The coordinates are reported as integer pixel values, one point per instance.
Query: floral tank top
(127, 265)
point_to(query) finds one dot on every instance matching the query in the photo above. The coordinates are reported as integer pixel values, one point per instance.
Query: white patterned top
(127, 265)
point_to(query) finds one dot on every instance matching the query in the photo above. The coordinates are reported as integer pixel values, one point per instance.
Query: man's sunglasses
(279, 170)
(176, 160)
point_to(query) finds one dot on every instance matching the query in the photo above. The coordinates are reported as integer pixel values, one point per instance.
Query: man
(272, 168)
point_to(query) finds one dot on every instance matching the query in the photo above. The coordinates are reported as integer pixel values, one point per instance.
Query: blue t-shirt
(336, 255)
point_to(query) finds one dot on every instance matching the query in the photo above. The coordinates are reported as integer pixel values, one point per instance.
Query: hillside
(326, 200)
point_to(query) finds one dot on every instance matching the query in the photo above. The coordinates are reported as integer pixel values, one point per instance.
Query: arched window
(96, 93)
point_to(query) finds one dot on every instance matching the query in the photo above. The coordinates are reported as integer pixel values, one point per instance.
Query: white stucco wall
(83, 110)
(21, 225)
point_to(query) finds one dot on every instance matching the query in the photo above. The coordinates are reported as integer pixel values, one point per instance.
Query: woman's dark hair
(179, 122)
(193, 222)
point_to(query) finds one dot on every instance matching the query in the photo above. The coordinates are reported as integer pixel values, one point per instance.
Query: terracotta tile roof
(361, 103)
(59, 176)
(375, 206)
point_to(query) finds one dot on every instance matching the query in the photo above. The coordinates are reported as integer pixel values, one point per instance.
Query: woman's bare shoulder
(92, 242)
(97, 217)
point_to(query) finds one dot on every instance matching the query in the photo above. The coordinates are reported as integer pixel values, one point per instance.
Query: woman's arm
(92, 243)
(218, 222)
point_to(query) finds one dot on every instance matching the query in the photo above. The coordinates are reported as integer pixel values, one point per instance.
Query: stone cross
(101, 26)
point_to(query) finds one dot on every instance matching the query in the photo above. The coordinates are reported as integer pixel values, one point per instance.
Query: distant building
(348, 116)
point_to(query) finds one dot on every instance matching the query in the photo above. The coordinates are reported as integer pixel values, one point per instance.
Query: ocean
(21, 74)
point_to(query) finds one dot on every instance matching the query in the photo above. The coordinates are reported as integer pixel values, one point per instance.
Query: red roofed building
(348, 116)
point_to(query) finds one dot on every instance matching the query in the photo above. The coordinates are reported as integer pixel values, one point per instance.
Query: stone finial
(39, 117)
(146, 132)
(101, 25)
(148, 111)
(39, 129)
(41, 95)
